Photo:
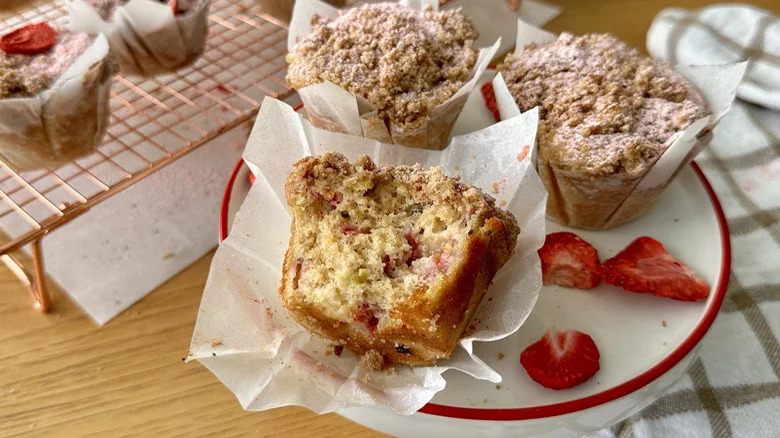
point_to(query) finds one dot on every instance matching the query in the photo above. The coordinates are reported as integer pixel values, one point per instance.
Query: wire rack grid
(154, 121)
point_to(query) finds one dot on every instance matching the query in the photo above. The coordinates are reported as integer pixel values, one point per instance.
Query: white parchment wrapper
(145, 36)
(334, 108)
(243, 334)
(64, 122)
(717, 85)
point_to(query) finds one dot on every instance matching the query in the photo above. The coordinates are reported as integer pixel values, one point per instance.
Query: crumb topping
(604, 108)
(28, 75)
(402, 60)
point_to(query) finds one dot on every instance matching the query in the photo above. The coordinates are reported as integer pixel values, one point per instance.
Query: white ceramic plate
(646, 343)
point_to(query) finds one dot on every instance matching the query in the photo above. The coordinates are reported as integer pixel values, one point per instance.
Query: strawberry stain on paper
(524, 153)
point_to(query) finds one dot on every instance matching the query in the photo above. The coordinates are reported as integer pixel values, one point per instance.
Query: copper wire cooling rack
(153, 123)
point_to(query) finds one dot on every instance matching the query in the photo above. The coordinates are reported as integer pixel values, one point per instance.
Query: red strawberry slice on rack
(569, 261)
(645, 266)
(490, 100)
(29, 40)
(561, 359)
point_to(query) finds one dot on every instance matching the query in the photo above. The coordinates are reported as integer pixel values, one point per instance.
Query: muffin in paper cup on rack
(615, 126)
(398, 73)
(245, 335)
(147, 37)
(54, 95)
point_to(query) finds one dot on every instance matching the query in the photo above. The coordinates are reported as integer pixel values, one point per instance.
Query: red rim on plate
(603, 397)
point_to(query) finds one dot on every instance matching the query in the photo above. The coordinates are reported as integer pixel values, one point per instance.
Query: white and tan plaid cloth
(732, 389)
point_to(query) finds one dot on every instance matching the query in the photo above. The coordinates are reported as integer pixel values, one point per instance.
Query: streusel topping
(402, 60)
(604, 108)
(27, 75)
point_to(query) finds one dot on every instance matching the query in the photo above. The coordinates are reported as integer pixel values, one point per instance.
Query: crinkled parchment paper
(145, 36)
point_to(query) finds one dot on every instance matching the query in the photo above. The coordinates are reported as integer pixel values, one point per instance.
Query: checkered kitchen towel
(733, 388)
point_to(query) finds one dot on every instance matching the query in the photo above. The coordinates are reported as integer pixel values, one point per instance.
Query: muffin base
(434, 134)
(589, 202)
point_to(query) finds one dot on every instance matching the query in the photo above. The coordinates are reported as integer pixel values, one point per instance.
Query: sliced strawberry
(29, 40)
(569, 261)
(561, 359)
(366, 316)
(490, 100)
(251, 177)
(644, 266)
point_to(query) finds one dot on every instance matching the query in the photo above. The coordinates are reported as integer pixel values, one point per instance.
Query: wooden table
(61, 376)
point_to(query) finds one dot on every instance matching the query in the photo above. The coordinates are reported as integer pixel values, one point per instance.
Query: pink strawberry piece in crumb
(414, 253)
(645, 266)
(561, 359)
(349, 230)
(569, 261)
(366, 316)
(336, 199)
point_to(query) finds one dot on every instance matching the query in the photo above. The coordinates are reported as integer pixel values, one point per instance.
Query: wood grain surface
(60, 376)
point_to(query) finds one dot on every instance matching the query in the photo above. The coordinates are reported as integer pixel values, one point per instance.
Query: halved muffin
(390, 262)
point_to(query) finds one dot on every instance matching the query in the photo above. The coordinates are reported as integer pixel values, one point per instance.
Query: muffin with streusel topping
(402, 63)
(54, 93)
(606, 114)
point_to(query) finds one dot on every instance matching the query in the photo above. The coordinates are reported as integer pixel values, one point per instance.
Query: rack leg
(35, 282)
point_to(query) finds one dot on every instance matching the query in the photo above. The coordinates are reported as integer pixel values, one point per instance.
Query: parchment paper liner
(333, 108)
(145, 36)
(64, 122)
(244, 336)
(604, 202)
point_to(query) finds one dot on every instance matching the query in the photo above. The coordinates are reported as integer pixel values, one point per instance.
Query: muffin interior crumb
(402, 60)
(370, 238)
(604, 108)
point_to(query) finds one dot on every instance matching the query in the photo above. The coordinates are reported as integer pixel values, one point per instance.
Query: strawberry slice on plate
(569, 261)
(645, 266)
(561, 359)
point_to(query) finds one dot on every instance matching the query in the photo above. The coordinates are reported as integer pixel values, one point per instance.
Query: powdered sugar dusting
(404, 61)
(604, 108)
(27, 75)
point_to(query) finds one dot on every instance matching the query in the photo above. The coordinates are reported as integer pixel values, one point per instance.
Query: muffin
(52, 81)
(606, 115)
(147, 37)
(390, 262)
(401, 63)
